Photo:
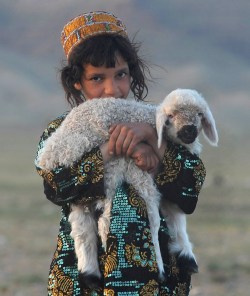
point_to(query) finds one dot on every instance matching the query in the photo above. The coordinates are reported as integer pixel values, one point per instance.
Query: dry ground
(219, 228)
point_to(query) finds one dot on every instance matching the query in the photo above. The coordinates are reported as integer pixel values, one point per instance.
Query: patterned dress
(129, 264)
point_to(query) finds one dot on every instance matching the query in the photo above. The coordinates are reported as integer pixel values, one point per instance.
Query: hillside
(197, 45)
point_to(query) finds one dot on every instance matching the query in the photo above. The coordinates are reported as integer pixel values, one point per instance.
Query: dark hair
(102, 50)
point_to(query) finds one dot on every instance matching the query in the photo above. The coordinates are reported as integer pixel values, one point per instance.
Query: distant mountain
(198, 44)
(34, 27)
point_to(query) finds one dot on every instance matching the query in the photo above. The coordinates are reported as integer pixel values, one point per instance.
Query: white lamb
(180, 117)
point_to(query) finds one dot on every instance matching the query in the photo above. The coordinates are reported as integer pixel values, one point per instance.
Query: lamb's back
(87, 126)
(107, 111)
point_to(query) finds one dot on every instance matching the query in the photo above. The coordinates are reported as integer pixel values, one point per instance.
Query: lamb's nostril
(188, 133)
(190, 129)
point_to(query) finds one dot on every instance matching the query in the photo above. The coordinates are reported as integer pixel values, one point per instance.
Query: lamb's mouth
(187, 140)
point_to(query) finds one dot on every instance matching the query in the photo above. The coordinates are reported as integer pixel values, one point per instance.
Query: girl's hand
(145, 158)
(124, 137)
(105, 153)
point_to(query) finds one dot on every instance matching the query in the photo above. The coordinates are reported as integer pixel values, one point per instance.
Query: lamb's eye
(167, 122)
(200, 114)
(170, 116)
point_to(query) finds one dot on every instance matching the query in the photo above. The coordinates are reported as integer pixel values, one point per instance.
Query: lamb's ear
(161, 118)
(209, 128)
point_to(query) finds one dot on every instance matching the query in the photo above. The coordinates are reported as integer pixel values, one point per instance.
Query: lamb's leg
(113, 177)
(180, 245)
(146, 188)
(104, 222)
(117, 171)
(84, 233)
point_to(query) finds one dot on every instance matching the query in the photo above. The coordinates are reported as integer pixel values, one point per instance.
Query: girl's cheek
(93, 91)
(127, 89)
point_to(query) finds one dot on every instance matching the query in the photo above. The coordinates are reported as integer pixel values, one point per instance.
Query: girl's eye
(122, 74)
(96, 78)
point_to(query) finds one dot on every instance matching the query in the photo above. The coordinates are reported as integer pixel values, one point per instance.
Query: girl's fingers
(112, 128)
(122, 140)
(126, 144)
(130, 149)
(114, 135)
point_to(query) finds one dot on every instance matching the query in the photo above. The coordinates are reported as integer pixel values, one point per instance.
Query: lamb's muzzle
(188, 133)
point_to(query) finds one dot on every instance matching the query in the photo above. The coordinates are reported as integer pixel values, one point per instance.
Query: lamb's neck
(195, 147)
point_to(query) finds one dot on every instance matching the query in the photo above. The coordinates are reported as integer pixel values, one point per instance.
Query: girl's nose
(110, 88)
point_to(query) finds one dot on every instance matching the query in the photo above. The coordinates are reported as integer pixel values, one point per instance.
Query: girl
(102, 62)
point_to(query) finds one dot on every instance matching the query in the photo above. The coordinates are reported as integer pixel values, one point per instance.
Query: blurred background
(204, 45)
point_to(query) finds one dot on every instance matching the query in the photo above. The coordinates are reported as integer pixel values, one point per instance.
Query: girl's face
(103, 82)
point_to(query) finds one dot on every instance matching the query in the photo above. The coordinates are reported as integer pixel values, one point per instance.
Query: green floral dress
(129, 264)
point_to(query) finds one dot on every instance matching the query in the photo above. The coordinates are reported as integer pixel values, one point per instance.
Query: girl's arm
(180, 175)
(124, 138)
(83, 181)
(138, 141)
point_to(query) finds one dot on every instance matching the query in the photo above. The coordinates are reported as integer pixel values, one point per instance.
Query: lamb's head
(183, 114)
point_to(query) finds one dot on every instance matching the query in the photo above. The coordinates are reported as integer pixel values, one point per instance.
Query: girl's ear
(209, 128)
(78, 86)
(161, 118)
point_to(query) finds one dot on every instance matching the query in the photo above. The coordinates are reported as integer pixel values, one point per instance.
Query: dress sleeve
(82, 182)
(181, 177)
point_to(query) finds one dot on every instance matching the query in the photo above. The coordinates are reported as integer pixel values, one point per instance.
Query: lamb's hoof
(162, 278)
(187, 264)
(91, 281)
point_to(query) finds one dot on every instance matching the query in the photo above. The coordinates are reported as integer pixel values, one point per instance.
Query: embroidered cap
(87, 25)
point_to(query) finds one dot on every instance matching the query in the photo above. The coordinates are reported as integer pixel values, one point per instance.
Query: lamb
(180, 117)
